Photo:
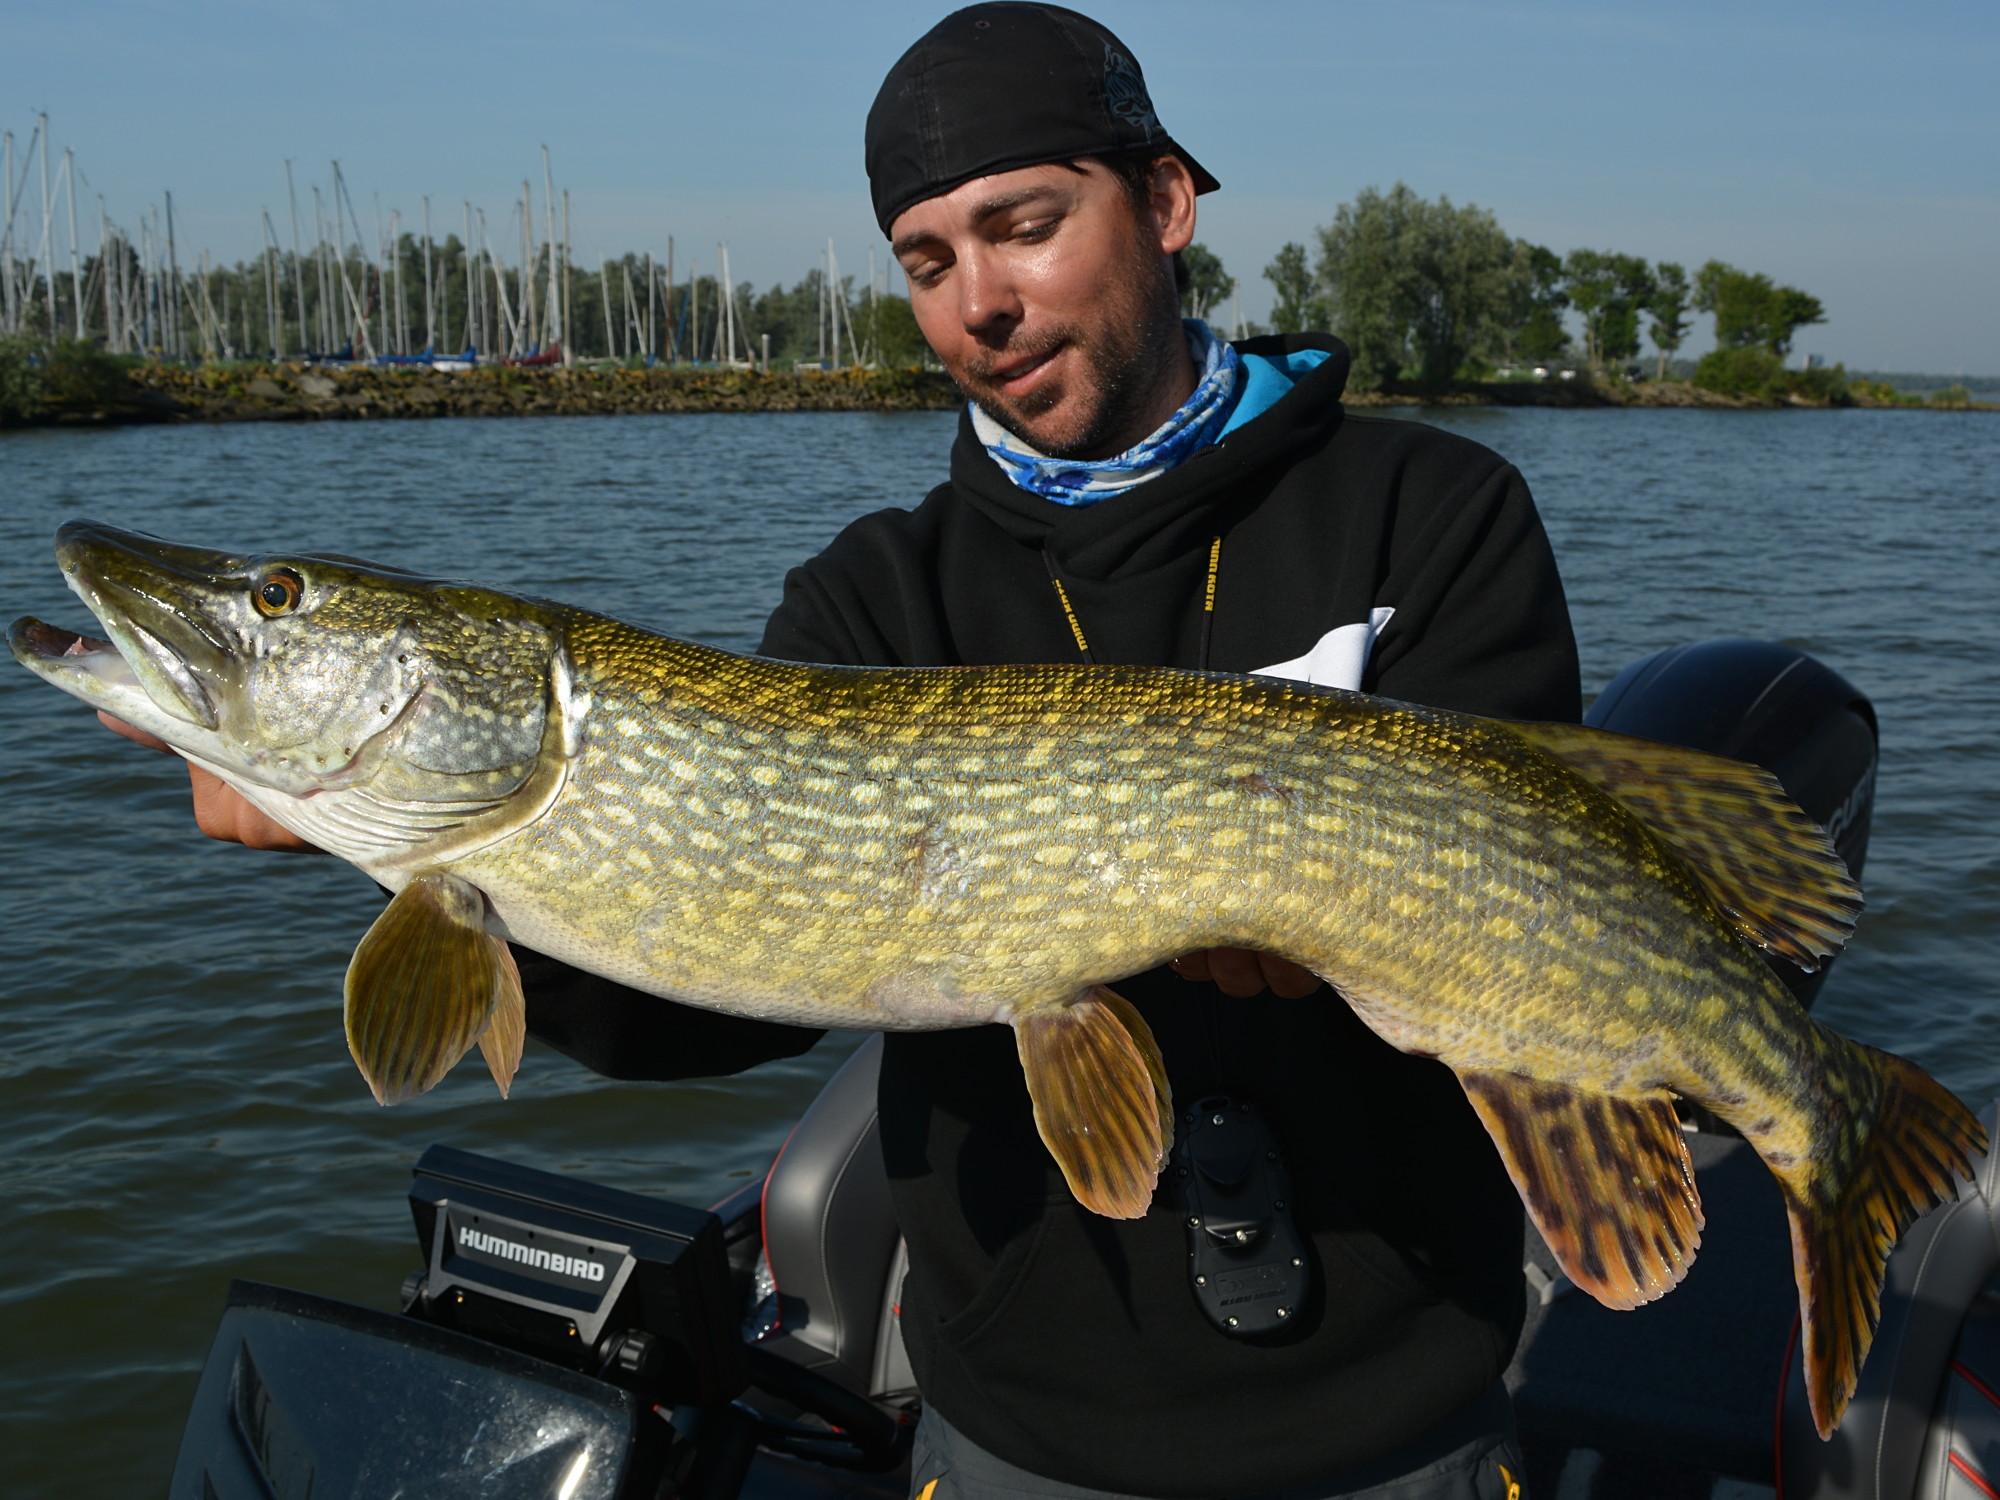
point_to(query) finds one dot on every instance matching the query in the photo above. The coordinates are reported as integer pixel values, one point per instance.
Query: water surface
(176, 1102)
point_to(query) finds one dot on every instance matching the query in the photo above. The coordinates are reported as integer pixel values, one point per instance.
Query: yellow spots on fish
(1044, 804)
(1456, 858)
(1055, 854)
(1341, 783)
(1405, 905)
(965, 822)
(997, 791)
(1117, 793)
(653, 796)
(1568, 837)
(1219, 799)
(1472, 817)
(1585, 925)
(702, 839)
(1228, 838)
(1129, 755)
(1505, 928)
(1712, 1009)
(1560, 976)
(764, 775)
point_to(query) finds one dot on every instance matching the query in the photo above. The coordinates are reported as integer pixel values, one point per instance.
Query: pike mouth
(99, 672)
(52, 643)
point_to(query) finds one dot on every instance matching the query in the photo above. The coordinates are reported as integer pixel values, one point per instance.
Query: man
(1128, 489)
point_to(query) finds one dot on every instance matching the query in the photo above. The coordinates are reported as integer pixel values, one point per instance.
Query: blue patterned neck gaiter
(1071, 481)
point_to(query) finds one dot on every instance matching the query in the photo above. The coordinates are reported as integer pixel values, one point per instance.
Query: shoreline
(296, 392)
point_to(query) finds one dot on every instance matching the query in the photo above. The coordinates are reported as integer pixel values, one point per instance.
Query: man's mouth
(1017, 376)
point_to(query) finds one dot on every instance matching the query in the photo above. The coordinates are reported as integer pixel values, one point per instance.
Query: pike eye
(279, 592)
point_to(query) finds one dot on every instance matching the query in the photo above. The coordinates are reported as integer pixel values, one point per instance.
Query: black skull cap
(1004, 85)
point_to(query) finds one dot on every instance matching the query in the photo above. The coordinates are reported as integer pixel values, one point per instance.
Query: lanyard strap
(1207, 604)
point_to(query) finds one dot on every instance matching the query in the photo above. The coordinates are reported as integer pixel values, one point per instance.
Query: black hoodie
(1068, 1344)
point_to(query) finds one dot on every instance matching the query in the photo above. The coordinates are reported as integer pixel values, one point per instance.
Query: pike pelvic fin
(507, 1032)
(1606, 1179)
(1848, 1210)
(424, 984)
(1101, 1099)
(1770, 868)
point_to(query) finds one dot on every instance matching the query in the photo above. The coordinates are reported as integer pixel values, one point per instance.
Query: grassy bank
(76, 385)
(100, 391)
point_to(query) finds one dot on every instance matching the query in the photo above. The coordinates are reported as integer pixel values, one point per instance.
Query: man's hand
(1243, 972)
(220, 811)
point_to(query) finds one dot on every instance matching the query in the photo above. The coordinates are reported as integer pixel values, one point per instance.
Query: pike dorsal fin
(1768, 866)
(1606, 1179)
(426, 981)
(1101, 1099)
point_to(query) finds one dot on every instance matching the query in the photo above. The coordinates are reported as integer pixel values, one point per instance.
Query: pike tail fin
(1847, 1213)
(1101, 1099)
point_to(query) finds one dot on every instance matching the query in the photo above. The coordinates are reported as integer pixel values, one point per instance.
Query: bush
(1823, 384)
(79, 376)
(1952, 395)
(1743, 372)
(20, 380)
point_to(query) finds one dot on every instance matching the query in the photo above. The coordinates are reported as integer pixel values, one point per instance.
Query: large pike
(1564, 917)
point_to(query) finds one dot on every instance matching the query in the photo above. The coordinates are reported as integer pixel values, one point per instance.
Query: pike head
(395, 720)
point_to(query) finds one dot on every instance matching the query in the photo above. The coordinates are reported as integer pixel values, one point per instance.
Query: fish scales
(1564, 918)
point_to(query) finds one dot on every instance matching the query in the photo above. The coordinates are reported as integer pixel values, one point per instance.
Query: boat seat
(831, 1241)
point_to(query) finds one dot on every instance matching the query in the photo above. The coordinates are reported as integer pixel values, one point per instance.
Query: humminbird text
(528, 1255)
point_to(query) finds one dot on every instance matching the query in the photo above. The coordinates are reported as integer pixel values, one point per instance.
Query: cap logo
(1125, 92)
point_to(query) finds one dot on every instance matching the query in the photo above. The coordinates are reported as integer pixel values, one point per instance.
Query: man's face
(1049, 296)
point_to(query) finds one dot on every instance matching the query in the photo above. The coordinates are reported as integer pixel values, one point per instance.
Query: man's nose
(988, 300)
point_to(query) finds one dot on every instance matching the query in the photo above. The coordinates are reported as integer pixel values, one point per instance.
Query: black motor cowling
(1774, 706)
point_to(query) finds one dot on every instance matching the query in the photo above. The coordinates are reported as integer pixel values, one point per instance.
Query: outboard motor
(1775, 707)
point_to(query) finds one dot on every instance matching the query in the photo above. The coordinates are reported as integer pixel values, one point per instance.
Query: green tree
(1538, 334)
(1669, 307)
(1416, 285)
(1608, 289)
(1208, 285)
(1751, 311)
(1298, 307)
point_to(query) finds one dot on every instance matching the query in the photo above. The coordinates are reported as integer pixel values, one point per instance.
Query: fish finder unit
(629, 1289)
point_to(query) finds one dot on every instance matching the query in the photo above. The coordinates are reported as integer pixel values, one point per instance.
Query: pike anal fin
(1101, 1099)
(1605, 1177)
(426, 981)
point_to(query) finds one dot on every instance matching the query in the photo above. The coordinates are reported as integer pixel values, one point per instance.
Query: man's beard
(1126, 356)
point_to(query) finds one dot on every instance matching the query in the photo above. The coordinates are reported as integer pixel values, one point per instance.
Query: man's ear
(1171, 196)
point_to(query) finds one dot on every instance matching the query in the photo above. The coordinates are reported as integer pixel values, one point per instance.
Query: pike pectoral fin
(1101, 1099)
(1606, 1179)
(424, 983)
(1767, 864)
(507, 1032)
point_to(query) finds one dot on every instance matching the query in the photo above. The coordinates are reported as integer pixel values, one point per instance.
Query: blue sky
(1852, 150)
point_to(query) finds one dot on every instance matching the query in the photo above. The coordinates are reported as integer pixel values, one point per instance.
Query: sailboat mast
(430, 309)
